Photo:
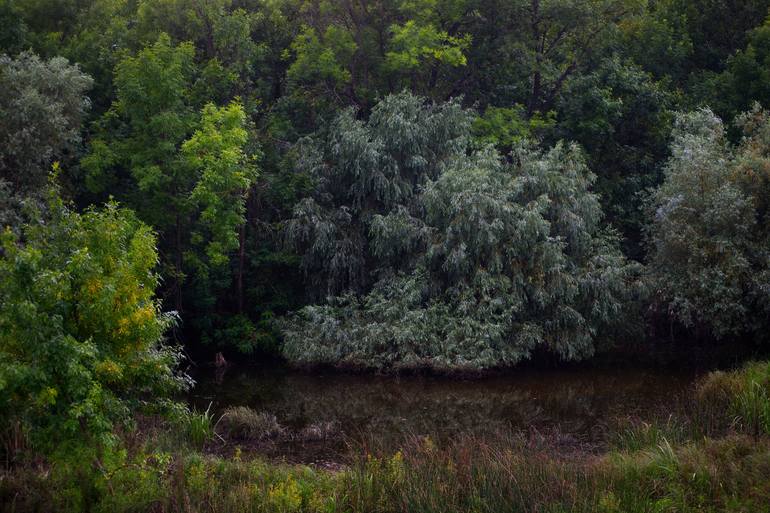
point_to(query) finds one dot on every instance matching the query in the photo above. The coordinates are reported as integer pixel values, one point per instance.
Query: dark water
(580, 402)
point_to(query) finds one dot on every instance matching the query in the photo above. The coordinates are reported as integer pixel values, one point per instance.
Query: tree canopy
(274, 150)
(431, 256)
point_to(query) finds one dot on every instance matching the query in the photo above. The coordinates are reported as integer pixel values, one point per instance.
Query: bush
(242, 422)
(80, 329)
(710, 232)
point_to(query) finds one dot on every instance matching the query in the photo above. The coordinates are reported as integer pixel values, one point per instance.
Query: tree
(41, 109)
(14, 35)
(186, 173)
(657, 40)
(745, 80)
(216, 151)
(447, 260)
(526, 51)
(621, 117)
(351, 52)
(136, 150)
(709, 236)
(81, 333)
(364, 171)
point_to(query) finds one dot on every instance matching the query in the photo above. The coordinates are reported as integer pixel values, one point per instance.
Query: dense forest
(372, 185)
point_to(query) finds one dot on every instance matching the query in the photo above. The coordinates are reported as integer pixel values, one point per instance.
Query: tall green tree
(136, 150)
(185, 172)
(622, 118)
(226, 174)
(526, 51)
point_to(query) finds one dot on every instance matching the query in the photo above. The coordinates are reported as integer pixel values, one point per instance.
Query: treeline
(389, 184)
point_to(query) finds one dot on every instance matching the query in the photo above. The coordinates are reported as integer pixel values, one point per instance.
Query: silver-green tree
(709, 238)
(436, 256)
(41, 108)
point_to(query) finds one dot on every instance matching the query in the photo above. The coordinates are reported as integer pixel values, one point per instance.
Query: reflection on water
(579, 402)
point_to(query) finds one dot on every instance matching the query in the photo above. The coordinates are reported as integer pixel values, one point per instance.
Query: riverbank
(711, 455)
(726, 474)
(579, 403)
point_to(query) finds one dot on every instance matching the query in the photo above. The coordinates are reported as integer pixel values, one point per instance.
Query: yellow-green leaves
(322, 58)
(414, 45)
(215, 152)
(80, 328)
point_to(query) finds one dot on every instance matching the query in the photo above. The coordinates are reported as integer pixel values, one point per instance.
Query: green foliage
(14, 35)
(421, 245)
(709, 234)
(198, 426)
(215, 150)
(80, 330)
(363, 173)
(471, 263)
(746, 77)
(168, 75)
(507, 127)
(41, 108)
(413, 45)
(657, 40)
(187, 174)
(145, 127)
(621, 117)
(322, 60)
(545, 44)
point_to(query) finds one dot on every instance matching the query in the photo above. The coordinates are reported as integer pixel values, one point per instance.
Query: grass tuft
(244, 423)
(199, 426)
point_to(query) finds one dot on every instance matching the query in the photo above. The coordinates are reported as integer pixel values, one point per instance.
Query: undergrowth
(700, 461)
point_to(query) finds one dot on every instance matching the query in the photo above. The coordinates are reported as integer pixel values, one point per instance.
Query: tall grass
(467, 475)
(738, 400)
(199, 427)
(752, 407)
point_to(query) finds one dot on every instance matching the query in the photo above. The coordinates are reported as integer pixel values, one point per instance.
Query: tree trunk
(178, 265)
(241, 259)
(534, 98)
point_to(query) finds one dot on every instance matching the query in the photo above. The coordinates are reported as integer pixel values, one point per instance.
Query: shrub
(242, 422)
(710, 232)
(80, 329)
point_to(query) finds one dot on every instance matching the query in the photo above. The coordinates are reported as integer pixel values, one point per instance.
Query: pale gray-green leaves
(435, 256)
(709, 229)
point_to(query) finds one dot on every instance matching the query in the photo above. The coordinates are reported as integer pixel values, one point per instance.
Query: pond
(580, 403)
